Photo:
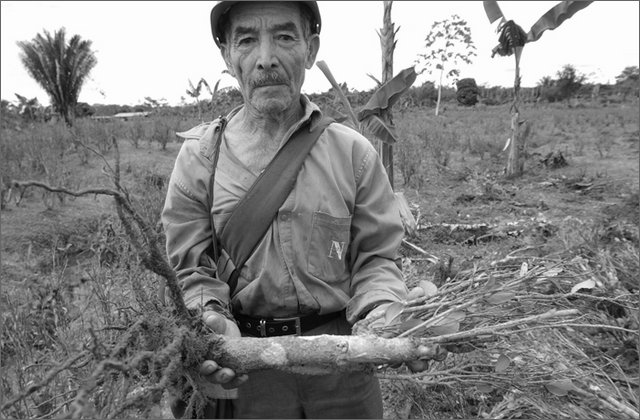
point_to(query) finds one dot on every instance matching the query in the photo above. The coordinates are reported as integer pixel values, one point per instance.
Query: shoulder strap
(254, 213)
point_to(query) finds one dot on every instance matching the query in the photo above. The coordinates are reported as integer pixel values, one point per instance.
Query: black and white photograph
(320, 209)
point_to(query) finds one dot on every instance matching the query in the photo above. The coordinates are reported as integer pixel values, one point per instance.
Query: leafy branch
(449, 44)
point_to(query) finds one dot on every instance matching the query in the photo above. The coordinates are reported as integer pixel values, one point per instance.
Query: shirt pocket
(328, 246)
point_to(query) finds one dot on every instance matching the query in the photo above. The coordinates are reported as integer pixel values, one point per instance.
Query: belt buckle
(293, 318)
(262, 327)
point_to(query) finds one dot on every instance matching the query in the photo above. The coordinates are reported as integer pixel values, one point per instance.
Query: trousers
(276, 394)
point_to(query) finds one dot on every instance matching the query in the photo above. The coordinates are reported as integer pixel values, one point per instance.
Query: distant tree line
(567, 84)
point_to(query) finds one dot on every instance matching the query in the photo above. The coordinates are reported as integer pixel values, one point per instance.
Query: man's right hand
(210, 369)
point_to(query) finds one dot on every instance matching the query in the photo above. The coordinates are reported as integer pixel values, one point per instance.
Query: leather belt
(271, 327)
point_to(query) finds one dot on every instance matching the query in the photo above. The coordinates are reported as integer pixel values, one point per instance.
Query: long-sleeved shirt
(333, 244)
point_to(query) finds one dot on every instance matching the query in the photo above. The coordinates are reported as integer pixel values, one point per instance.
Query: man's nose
(267, 54)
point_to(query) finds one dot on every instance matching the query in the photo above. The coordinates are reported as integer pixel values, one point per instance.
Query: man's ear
(224, 51)
(312, 50)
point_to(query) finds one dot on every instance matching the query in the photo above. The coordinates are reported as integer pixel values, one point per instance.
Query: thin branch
(490, 330)
(432, 259)
(48, 378)
(151, 255)
(102, 191)
(577, 325)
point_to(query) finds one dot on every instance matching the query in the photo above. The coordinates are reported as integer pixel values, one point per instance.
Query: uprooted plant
(480, 316)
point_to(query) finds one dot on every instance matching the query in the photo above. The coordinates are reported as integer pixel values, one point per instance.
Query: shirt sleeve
(187, 225)
(377, 233)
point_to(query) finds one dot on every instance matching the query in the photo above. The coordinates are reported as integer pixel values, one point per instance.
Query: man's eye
(245, 41)
(285, 37)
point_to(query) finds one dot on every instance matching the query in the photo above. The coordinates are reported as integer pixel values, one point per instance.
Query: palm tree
(60, 68)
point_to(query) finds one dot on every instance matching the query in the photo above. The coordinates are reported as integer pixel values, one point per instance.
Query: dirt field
(68, 269)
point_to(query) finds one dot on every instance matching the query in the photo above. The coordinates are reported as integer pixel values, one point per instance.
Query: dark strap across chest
(255, 212)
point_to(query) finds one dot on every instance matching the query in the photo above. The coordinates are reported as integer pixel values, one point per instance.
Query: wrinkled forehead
(254, 15)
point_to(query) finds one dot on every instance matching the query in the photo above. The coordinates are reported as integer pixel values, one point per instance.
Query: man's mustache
(268, 79)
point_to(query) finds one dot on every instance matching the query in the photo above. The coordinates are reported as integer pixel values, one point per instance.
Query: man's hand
(376, 318)
(210, 369)
(223, 381)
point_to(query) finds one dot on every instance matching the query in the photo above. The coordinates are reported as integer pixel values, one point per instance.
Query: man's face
(267, 53)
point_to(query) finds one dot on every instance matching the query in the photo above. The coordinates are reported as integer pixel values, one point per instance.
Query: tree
(569, 81)
(627, 81)
(511, 42)
(83, 109)
(467, 94)
(59, 67)
(547, 89)
(423, 95)
(449, 44)
(630, 73)
(154, 103)
(546, 81)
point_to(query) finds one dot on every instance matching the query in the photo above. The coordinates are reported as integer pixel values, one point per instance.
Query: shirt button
(284, 217)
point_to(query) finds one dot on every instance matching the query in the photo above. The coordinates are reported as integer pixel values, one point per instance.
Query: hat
(223, 7)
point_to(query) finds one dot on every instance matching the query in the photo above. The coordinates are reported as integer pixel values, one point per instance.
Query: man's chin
(272, 104)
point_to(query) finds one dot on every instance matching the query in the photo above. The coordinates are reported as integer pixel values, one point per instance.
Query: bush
(161, 132)
(467, 94)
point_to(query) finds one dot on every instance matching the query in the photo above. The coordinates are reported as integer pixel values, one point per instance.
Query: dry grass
(73, 286)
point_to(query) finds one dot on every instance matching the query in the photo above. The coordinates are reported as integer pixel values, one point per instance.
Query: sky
(152, 49)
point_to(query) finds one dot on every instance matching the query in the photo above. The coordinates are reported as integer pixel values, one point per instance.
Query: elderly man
(328, 257)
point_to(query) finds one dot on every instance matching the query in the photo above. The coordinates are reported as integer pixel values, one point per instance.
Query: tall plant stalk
(387, 45)
(439, 93)
(515, 165)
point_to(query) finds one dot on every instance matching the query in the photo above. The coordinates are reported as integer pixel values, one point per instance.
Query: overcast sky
(154, 48)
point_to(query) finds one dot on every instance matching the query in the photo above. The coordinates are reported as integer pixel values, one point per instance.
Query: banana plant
(28, 108)
(511, 41)
(369, 119)
(194, 92)
(215, 89)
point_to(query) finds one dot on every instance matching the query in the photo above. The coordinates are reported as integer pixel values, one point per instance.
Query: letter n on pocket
(336, 251)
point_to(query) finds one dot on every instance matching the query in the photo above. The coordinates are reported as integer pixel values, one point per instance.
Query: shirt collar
(312, 113)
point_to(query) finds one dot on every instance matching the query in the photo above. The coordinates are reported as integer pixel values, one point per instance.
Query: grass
(69, 271)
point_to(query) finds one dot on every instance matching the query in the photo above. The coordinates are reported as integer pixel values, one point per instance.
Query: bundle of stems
(555, 339)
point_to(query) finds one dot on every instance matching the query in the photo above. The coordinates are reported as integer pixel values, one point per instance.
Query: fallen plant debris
(530, 334)
(561, 367)
(511, 329)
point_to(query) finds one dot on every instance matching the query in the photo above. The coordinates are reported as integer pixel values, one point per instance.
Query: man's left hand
(376, 318)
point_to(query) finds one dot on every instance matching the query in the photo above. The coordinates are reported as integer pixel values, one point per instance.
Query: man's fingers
(236, 382)
(208, 367)
(215, 321)
(418, 365)
(223, 375)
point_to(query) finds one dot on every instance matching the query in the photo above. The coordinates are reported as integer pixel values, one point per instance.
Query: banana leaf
(377, 127)
(554, 17)
(492, 10)
(388, 94)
